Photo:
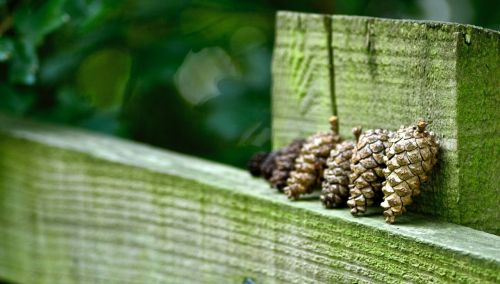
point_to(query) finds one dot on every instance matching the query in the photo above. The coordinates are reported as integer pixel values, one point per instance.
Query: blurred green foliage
(189, 75)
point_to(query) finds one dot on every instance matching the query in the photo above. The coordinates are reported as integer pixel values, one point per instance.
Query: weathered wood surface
(301, 70)
(80, 208)
(391, 72)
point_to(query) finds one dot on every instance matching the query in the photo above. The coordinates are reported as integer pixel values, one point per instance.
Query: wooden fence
(77, 207)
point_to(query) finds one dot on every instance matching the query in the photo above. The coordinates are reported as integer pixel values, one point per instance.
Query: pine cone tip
(334, 123)
(356, 131)
(421, 125)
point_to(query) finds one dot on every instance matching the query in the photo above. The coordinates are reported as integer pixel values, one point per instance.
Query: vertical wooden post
(386, 73)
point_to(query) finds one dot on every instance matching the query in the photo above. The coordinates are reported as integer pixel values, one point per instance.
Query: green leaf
(91, 15)
(32, 24)
(24, 64)
(6, 49)
(103, 76)
(35, 24)
(15, 102)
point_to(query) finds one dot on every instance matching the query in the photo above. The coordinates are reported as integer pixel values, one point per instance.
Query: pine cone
(269, 164)
(255, 163)
(411, 155)
(366, 165)
(311, 162)
(263, 164)
(285, 163)
(335, 187)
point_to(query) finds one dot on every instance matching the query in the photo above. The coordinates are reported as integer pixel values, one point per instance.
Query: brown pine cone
(285, 163)
(263, 164)
(311, 162)
(410, 157)
(367, 164)
(269, 164)
(335, 186)
(255, 163)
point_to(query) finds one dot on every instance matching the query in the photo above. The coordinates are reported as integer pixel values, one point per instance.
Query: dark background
(190, 76)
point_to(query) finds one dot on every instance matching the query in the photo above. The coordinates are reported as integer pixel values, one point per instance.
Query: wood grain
(77, 207)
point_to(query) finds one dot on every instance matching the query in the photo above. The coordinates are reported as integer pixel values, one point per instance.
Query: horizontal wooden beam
(386, 73)
(78, 207)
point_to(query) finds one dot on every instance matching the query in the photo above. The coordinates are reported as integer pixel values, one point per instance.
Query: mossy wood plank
(391, 72)
(80, 208)
(301, 76)
(478, 117)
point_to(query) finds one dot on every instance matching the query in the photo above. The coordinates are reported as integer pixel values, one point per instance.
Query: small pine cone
(285, 163)
(367, 164)
(335, 187)
(311, 162)
(269, 165)
(263, 164)
(255, 163)
(410, 157)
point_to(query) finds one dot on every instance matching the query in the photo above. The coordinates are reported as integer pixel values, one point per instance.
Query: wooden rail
(381, 73)
(76, 207)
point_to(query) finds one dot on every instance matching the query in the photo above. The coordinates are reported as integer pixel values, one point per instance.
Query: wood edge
(284, 13)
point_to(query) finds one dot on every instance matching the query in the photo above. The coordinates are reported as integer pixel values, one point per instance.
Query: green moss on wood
(478, 95)
(301, 73)
(77, 207)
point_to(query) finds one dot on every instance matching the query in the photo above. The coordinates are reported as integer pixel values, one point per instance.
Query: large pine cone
(285, 163)
(311, 162)
(367, 164)
(411, 155)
